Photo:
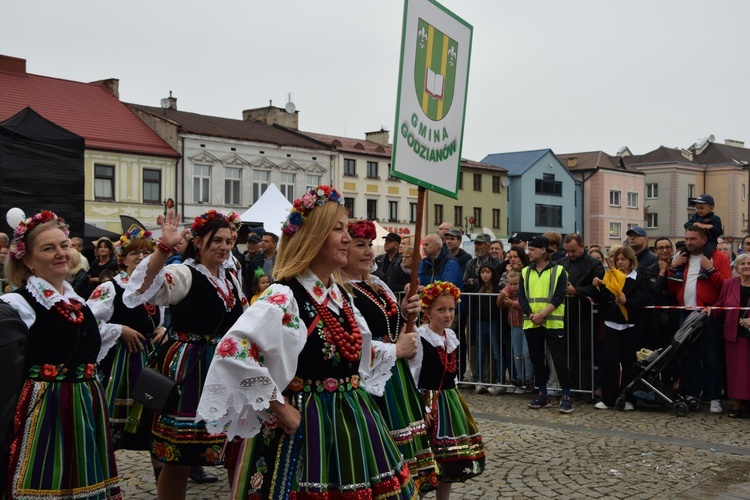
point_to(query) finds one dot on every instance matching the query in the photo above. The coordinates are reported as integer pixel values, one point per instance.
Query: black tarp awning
(41, 167)
(92, 233)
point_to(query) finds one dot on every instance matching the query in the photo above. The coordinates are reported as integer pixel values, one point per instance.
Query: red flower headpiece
(363, 229)
(232, 218)
(18, 245)
(314, 197)
(133, 233)
(435, 289)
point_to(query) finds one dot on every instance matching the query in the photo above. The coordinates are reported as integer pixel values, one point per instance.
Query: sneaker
(497, 389)
(566, 405)
(629, 406)
(601, 406)
(541, 401)
(716, 406)
(520, 390)
(528, 388)
(480, 389)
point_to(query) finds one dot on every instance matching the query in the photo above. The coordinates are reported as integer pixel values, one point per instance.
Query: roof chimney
(111, 84)
(572, 161)
(736, 144)
(169, 102)
(272, 115)
(381, 136)
(12, 64)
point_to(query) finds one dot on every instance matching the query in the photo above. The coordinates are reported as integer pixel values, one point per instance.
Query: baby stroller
(658, 376)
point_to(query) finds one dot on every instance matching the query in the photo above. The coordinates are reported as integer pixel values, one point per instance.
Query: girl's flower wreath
(434, 290)
(363, 229)
(18, 245)
(314, 197)
(232, 218)
(132, 234)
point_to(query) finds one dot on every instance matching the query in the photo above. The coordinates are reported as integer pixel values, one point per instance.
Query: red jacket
(706, 290)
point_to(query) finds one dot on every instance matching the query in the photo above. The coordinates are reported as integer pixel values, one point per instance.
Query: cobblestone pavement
(648, 453)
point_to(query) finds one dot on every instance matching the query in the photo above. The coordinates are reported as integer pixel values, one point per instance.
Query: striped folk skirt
(62, 446)
(177, 438)
(342, 449)
(456, 441)
(403, 410)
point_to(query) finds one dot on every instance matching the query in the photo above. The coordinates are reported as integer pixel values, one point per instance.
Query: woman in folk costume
(287, 375)
(205, 300)
(61, 446)
(139, 330)
(454, 434)
(398, 398)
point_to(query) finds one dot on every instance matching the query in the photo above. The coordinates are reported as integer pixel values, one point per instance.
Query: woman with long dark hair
(205, 300)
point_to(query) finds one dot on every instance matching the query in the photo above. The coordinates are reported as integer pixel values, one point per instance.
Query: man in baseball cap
(390, 255)
(638, 241)
(518, 240)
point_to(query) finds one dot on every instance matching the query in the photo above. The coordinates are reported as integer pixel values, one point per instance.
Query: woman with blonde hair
(287, 374)
(61, 441)
(77, 276)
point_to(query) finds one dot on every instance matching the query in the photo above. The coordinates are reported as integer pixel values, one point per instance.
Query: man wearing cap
(481, 256)
(248, 267)
(518, 240)
(638, 241)
(390, 255)
(541, 296)
(453, 239)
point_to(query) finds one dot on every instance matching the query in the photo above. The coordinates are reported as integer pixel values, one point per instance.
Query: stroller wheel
(694, 404)
(680, 409)
(620, 403)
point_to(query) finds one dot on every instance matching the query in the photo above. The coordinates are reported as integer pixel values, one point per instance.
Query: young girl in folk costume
(61, 446)
(260, 283)
(137, 331)
(287, 374)
(394, 391)
(508, 299)
(205, 300)
(456, 441)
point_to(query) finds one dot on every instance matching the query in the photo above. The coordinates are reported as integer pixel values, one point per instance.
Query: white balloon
(14, 217)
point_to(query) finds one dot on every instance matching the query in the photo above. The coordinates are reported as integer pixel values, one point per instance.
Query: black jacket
(636, 292)
(385, 264)
(581, 273)
(397, 278)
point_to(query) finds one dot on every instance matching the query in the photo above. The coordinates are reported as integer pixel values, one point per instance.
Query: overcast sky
(572, 76)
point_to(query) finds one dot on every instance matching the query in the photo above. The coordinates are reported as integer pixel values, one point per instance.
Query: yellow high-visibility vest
(539, 291)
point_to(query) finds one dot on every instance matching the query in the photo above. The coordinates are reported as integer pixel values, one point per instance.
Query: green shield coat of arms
(434, 70)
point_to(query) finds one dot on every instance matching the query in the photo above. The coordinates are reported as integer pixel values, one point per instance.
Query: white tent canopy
(270, 210)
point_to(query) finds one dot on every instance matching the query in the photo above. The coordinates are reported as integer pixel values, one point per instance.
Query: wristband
(163, 248)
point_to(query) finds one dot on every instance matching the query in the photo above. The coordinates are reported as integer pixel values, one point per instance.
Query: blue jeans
(486, 337)
(521, 358)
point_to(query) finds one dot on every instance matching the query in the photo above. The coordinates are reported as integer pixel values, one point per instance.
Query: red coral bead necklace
(348, 344)
(72, 311)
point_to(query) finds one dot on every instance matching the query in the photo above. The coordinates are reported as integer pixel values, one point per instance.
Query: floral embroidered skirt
(342, 449)
(122, 371)
(403, 411)
(62, 446)
(177, 438)
(455, 438)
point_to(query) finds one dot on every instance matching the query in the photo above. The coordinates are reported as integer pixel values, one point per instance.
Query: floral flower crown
(18, 245)
(435, 289)
(232, 218)
(314, 197)
(133, 233)
(363, 229)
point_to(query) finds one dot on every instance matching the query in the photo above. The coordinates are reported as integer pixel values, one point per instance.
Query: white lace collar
(47, 295)
(318, 290)
(449, 342)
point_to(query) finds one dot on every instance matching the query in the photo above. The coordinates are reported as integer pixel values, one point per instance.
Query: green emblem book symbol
(434, 70)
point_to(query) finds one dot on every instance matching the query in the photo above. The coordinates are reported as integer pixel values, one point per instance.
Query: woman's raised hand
(170, 228)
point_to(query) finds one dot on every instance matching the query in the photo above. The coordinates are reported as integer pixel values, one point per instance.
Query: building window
(652, 191)
(614, 198)
(496, 184)
(652, 221)
(548, 215)
(744, 192)
(496, 218)
(438, 215)
(460, 180)
(350, 167)
(632, 200)
(478, 216)
(392, 211)
(691, 191)
(151, 186)
(548, 185)
(260, 183)
(614, 230)
(372, 209)
(232, 183)
(286, 186)
(372, 170)
(201, 183)
(477, 182)
(390, 175)
(104, 182)
(412, 212)
(458, 216)
(311, 182)
(349, 205)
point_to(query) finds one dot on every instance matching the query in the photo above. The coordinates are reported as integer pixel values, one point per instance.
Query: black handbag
(155, 391)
